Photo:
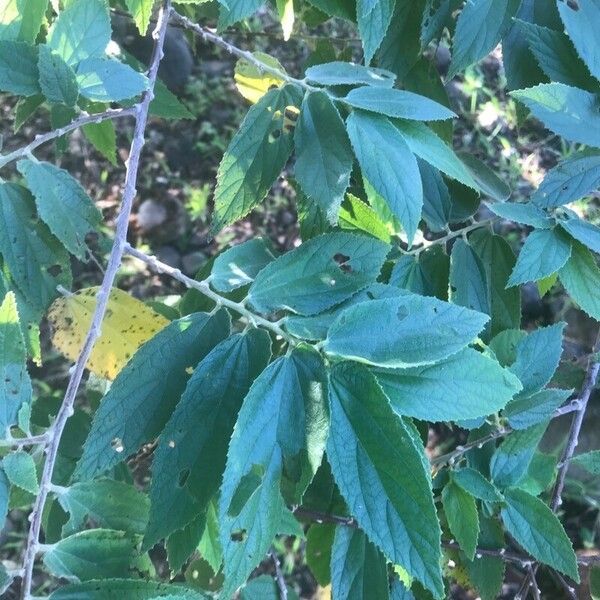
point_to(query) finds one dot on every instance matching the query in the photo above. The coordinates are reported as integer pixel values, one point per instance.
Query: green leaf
(568, 111)
(485, 178)
(319, 546)
(513, 456)
(80, 31)
(315, 328)
(286, 409)
(95, 553)
(570, 180)
(476, 484)
(537, 529)
(581, 278)
(397, 103)
(389, 165)
(468, 282)
(471, 41)
(498, 260)
(358, 569)
(460, 509)
(108, 80)
(240, 264)
(255, 157)
(425, 274)
(108, 503)
(590, 461)
(467, 385)
(190, 457)
(544, 252)
(132, 589)
(525, 213)
(19, 72)
(323, 153)
(537, 408)
(381, 473)
(487, 572)
(22, 19)
(436, 16)
(429, 146)
(401, 47)
(141, 11)
(580, 21)
(183, 543)
(318, 274)
(36, 261)
(104, 138)
(373, 17)
(264, 587)
(19, 468)
(4, 497)
(345, 9)
(145, 392)
(346, 73)
(403, 332)
(57, 78)
(210, 546)
(62, 203)
(15, 384)
(356, 214)
(25, 108)
(556, 55)
(233, 11)
(583, 231)
(436, 197)
(537, 357)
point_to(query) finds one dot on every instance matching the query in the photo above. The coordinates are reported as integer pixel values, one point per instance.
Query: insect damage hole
(342, 262)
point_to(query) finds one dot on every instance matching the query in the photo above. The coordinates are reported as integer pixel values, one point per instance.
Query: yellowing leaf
(544, 285)
(254, 84)
(127, 324)
(285, 8)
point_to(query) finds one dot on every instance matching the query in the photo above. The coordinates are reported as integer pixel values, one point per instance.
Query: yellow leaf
(127, 324)
(254, 84)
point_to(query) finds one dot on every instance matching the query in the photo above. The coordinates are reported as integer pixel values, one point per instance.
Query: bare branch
(33, 440)
(84, 119)
(279, 577)
(114, 262)
(206, 290)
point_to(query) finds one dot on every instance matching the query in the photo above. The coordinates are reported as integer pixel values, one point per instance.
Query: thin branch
(453, 455)
(209, 35)
(33, 440)
(205, 289)
(451, 236)
(279, 577)
(320, 517)
(533, 583)
(114, 262)
(589, 383)
(84, 119)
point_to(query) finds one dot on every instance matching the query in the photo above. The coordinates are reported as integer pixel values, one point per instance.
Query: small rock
(169, 256)
(192, 262)
(151, 214)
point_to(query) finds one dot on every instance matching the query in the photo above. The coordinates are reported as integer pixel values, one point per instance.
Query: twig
(208, 35)
(114, 262)
(319, 517)
(85, 119)
(533, 583)
(589, 383)
(572, 406)
(451, 236)
(279, 577)
(206, 290)
(33, 440)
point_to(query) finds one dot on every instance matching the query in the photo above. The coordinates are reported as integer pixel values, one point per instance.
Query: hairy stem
(206, 290)
(84, 119)
(66, 410)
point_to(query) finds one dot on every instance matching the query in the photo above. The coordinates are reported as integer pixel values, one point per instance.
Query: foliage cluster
(291, 395)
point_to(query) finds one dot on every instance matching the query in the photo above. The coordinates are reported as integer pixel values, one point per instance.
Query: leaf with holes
(144, 394)
(190, 457)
